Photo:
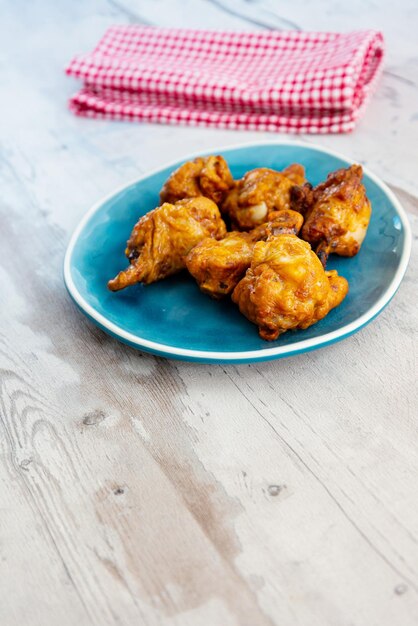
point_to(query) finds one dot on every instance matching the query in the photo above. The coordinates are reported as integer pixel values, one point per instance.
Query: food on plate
(337, 213)
(266, 262)
(295, 172)
(204, 176)
(286, 287)
(218, 265)
(259, 192)
(162, 238)
(281, 222)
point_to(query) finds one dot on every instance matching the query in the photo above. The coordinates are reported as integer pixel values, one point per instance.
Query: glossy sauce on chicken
(286, 287)
(337, 213)
(204, 176)
(162, 238)
(218, 266)
(259, 192)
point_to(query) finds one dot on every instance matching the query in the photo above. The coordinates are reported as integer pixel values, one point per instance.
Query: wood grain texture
(135, 490)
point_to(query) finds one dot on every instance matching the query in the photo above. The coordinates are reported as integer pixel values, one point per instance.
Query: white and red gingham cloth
(281, 81)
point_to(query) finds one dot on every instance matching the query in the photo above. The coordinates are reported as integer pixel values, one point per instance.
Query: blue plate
(174, 319)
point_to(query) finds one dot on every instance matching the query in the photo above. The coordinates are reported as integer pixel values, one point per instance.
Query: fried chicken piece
(286, 287)
(205, 176)
(260, 191)
(279, 223)
(302, 198)
(162, 238)
(337, 213)
(218, 266)
(296, 173)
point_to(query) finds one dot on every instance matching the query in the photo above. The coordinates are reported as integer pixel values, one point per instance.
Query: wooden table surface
(135, 490)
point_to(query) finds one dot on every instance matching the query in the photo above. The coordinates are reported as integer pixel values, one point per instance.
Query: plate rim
(246, 355)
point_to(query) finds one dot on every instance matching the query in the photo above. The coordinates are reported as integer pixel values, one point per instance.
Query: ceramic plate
(174, 319)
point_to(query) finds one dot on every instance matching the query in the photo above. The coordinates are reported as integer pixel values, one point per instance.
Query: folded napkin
(281, 81)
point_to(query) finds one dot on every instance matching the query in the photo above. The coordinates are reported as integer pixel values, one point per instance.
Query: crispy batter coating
(162, 238)
(286, 287)
(302, 198)
(205, 176)
(281, 222)
(337, 213)
(218, 266)
(295, 172)
(260, 191)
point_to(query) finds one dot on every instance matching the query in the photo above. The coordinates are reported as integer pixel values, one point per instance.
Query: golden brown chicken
(260, 191)
(162, 238)
(205, 176)
(218, 266)
(286, 287)
(337, 213)
(295, 172)
(302, 198)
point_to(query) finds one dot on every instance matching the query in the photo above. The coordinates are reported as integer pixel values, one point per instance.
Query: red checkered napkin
(280, 81)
